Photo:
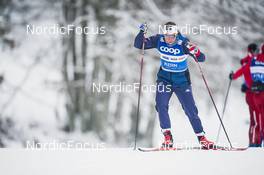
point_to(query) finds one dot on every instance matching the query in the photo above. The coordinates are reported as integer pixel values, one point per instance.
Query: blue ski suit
(173, 77)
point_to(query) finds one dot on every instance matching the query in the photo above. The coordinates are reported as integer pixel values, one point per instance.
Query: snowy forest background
(46, 90)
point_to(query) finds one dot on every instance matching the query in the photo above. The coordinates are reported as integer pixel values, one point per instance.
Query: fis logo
(170, 50)
(179, 42)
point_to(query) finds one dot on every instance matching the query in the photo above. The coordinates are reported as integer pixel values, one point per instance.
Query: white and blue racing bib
(257, 71)
(172, 57)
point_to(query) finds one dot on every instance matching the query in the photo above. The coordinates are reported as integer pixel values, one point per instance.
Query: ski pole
(212, 99)
(224, 108)
(139, 92)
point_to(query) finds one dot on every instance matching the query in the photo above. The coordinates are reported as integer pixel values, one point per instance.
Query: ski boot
(168, 141)
(206, 144)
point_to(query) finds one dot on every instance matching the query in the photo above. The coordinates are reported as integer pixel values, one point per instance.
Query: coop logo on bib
(170, 50)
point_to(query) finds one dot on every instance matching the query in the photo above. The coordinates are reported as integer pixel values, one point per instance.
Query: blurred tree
(83, 104)
(5, 23)
(91, 62)
(1, 79)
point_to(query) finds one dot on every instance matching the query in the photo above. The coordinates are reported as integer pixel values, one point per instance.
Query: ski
(215, 148)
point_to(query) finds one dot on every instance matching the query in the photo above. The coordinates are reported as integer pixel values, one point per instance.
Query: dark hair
(170, 23)
(253, 47)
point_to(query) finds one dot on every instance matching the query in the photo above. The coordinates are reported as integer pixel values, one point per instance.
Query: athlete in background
(253, 71)
(253, 128)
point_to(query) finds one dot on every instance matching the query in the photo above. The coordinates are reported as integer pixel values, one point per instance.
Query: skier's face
(170, 39)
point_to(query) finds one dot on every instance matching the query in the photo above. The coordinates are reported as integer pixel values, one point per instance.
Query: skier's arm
(238, 73)
(191, 49)
(150, 42)
(245, 60)
(194, 51)
(201, 57)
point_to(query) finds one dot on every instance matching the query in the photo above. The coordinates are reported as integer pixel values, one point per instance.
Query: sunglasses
(170, 36)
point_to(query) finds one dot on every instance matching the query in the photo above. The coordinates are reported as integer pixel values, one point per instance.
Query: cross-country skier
(257, 72)
(253, 127)
(253, 71)
(173, 77)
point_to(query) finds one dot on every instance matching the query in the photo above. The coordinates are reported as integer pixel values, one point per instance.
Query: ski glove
(193, 49)
(241, 62)
(231, 75)
(143, 28)
(244, 88)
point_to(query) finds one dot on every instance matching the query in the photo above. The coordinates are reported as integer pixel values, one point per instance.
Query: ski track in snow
(129, 162)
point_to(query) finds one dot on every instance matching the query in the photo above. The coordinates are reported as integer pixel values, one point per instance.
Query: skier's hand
(241, 62)
(244, 88)
(193, 49)
(143, 28)
(231, 75)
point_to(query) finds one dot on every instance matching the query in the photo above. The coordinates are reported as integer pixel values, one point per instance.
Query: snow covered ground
(129, 162)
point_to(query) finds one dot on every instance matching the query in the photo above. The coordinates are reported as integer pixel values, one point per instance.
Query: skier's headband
(170, 29)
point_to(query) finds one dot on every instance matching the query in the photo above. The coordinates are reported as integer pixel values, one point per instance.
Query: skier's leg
(262, 117)
(163, 96)
(257, 129)
(252, 112)
(185, 97)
